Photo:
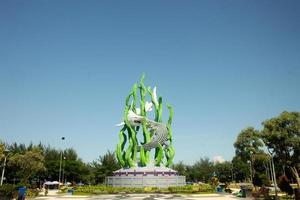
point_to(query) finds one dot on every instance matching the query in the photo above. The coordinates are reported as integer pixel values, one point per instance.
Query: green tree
(73, 168)
(282, 135)
(52, 161)
(105, 166)
(203, 170)
(241, 169)
(249, 154)
(190, 175)
(2, 147)
(180, 168)
(224, 171)
(257, 181)
(248, 143)
(284, 185)
(17, 148)
(12, 171)
(28, 163)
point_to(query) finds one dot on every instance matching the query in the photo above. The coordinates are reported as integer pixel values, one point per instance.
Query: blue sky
(67, 66)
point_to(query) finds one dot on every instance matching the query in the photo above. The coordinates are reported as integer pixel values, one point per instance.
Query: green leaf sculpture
(128, 157)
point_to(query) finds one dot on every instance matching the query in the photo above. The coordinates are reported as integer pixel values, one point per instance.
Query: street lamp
(272, 168)
(232, 176)
(4, 164)
(250, 166)
(63, 170)
(61, 155)
(273, 172)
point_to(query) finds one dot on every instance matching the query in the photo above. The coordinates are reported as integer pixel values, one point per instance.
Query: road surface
(53, 196)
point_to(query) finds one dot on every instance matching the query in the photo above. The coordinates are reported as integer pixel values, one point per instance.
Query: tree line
(34, 164)
(279, 139)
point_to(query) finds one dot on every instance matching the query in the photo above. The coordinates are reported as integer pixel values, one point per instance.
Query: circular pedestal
(146, 176)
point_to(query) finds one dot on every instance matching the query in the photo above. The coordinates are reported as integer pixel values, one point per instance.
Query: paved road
(141, 197)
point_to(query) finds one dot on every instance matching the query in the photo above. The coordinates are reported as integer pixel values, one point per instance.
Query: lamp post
(250, 167)
(232, 177)
(272, 169)
(63, 170)
(4, 164)
(273, 172)
(61, 155)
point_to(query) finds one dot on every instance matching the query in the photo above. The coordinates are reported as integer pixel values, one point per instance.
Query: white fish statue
(134, 118)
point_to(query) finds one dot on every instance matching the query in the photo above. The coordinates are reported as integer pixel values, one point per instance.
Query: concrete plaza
(53, 196)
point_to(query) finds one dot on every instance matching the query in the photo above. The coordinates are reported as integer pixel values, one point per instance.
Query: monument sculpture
(139, 169)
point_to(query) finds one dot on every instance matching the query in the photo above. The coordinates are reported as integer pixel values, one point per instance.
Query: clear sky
(67, 66)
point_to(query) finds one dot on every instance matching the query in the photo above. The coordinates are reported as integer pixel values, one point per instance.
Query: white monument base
(161, 177)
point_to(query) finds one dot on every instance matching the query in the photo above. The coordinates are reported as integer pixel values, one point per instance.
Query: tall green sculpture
(156, 134)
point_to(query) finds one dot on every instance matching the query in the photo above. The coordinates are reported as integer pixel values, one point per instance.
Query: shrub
(8, 191)
(32, 192)
(228, 190)
(103, 189)
(284, 185)
(63, 188)
(257, 181)
(147, 189)
(196, 188)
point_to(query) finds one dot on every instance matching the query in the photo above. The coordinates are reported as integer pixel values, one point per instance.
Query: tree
(11, 171)
(105, 166)
(284, 185)
(52, 161)
(73, 168)
(257, 181)
(224, 171)
(180, 168)
(248, 143)
(249, 154)
(282, 135)
(261, 179)
(241, 169)
(190, 175)
(17, 148)
(203, 170)
(296, 175)
(2, 147)
(28, 163)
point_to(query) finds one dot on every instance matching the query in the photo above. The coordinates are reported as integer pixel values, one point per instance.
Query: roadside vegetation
(278, 139)
(103, 189)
